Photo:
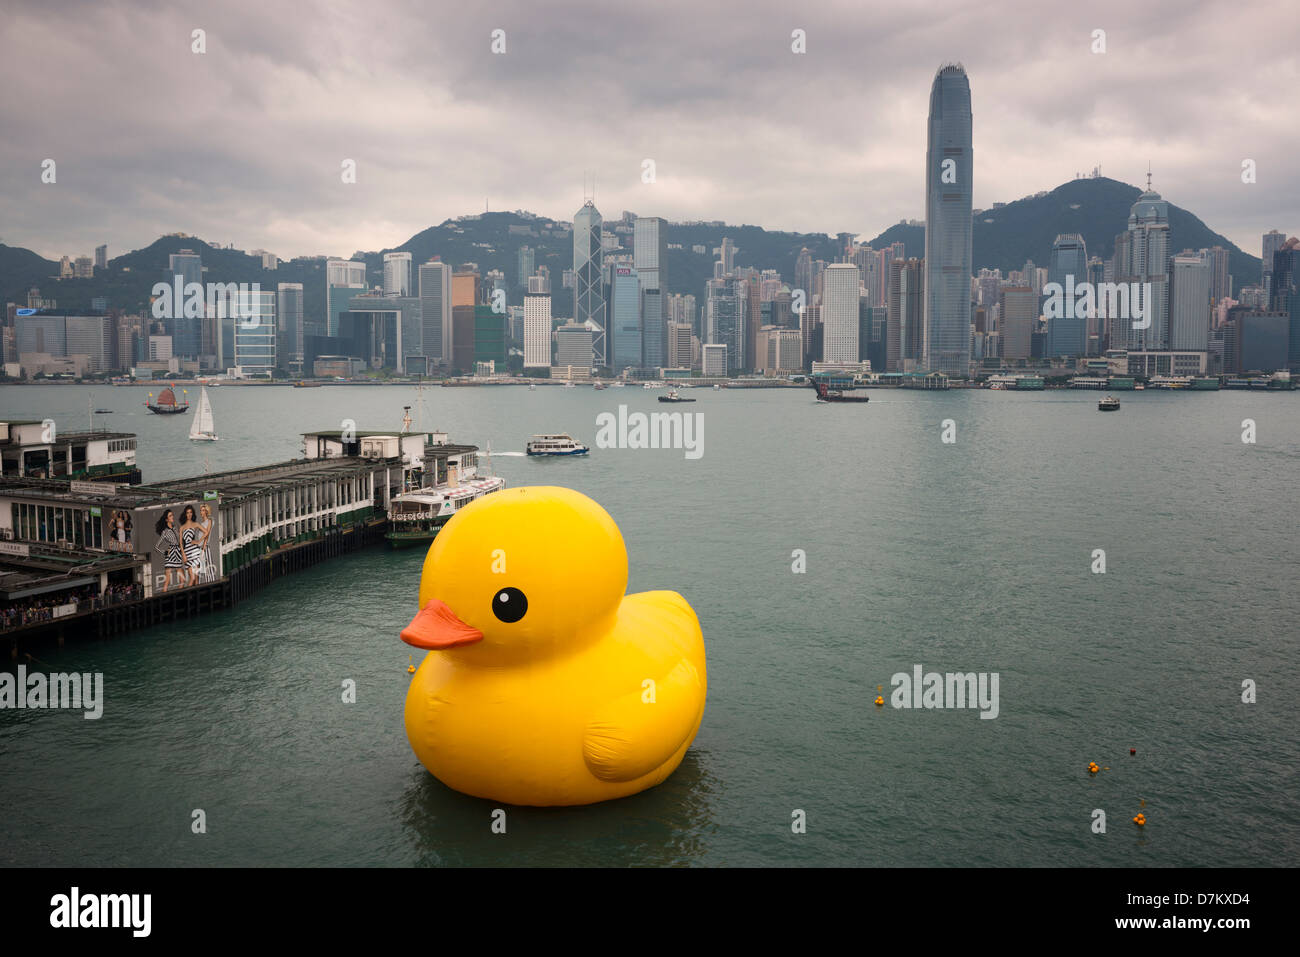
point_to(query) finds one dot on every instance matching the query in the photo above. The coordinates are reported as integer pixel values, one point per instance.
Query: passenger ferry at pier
(561, 444)
(450, 481)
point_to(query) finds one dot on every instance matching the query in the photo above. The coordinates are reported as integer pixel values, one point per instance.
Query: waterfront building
(945, 345)
(537, 332)
(625, 319)
(713, 360)
(1146, 261)
(905, 313)
(573, 348)
(397, 274)
(1190, 297)
(343, 280)
(1067, 332)
(28, 449)
(1018, 315)
(840, 313)
(435, 312)
(254, 336)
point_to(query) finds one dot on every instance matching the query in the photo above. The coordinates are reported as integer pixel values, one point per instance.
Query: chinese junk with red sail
(166, 403)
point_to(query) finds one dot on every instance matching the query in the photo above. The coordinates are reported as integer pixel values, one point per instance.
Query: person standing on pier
(170, 546)
(191, 543)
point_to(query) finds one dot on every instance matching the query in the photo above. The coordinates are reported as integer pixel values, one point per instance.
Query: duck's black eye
(509, 605)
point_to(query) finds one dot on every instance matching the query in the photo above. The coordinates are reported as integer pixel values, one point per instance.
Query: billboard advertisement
(182, 541)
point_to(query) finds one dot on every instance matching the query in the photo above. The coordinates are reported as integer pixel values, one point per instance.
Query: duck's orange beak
(436, 627)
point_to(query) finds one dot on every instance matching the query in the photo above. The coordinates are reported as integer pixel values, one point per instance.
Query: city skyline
(127, 176)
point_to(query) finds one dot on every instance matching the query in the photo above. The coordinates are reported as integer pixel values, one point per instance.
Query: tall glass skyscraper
(1067, 333)
(625, 308)
(588, 263)
(650, 259)
(948, 178)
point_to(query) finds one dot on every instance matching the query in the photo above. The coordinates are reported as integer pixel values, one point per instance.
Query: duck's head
(520, 574)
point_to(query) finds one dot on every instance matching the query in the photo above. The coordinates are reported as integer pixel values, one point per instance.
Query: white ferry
(555, 445)
(449, 482)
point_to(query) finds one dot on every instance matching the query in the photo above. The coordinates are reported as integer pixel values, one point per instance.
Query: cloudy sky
(244, 143)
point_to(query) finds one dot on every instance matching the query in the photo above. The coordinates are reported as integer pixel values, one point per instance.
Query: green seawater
(970, 556)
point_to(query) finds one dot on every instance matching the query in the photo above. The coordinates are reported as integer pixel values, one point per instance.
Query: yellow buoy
(1140, 820)
(879, 700)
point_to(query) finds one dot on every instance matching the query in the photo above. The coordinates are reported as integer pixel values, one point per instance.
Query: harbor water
(825, 548)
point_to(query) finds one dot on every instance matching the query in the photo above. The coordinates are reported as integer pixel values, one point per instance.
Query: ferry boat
(599, 386)
(652, 385)
(560, 444)
(673, 396)
(166, 403)
(826, 394)
(303, 384)
(570, 385)
(1108, 404)
(451, 471)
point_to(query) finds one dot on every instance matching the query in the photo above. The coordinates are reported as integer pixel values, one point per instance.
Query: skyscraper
(904, 314)
(650, 259)
(803, 274)
(397, 274)
(727, 256)
(344, 278)
(1146, 252)
(1019, 311)
(289, 340)
(526, 266)
(537, 332)
(185, 264)
(101, 257)
(588, 275)
(435, 311)
(1273, 241)
(840, 310)
(1067, 332)
(1189, 302)
(625, 319)
(948, 182)
(1220, 278)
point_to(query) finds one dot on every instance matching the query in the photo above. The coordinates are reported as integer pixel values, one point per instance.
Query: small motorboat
(674, 396)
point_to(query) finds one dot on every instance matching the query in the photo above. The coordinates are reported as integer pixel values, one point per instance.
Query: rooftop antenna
(1148, 176)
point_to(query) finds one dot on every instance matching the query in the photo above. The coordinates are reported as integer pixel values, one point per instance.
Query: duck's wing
(638, 731)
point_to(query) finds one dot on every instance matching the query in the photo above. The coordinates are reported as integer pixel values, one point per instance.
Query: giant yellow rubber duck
(546, 684)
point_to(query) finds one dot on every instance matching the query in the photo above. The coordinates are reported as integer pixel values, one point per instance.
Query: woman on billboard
(169, 544)
(209, 567)
(192, 544)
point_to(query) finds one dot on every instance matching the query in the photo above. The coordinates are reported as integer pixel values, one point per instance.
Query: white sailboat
(202, 428)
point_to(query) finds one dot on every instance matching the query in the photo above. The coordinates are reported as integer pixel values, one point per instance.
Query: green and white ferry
(448, 482)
